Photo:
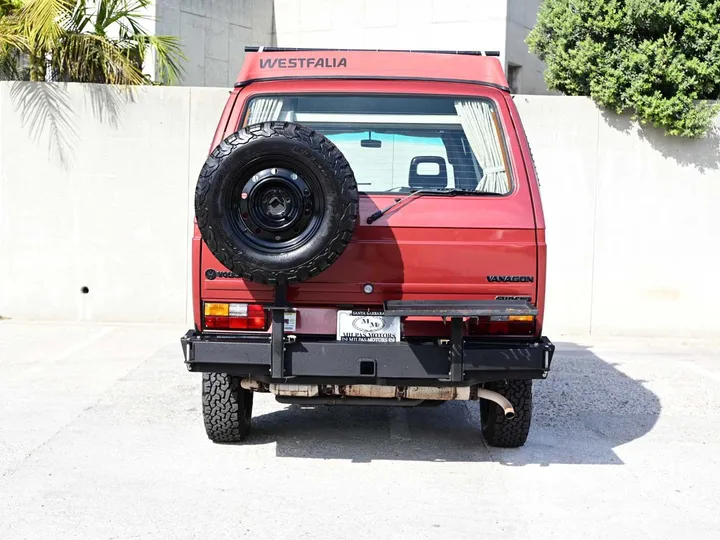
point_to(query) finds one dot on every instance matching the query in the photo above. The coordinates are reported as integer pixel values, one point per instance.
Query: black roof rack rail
(311, 49)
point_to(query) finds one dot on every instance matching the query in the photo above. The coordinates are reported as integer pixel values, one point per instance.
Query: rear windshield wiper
(451, 192)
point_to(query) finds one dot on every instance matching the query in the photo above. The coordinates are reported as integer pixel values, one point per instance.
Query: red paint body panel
(431, 247)
(372, 65)
(225, 119)
(534, 185)
(197, 247)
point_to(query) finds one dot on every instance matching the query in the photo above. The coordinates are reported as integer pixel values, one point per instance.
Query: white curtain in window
(264, 110)
(478, 124)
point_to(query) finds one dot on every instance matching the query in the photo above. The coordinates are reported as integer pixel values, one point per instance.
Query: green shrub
(659, 59)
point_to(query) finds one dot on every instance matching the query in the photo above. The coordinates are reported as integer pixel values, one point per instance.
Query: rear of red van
(437, 292)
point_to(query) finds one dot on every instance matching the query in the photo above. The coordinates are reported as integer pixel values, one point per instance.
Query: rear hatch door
(477, 246)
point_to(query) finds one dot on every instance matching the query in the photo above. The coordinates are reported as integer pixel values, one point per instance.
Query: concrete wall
(391, 24)
(631, 221)
(214, 35)
(521, 18)
(96, 191)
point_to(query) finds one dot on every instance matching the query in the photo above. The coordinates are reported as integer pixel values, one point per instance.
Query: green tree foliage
(659, 59)
(8, 7)
(100, 41)
(9, 43)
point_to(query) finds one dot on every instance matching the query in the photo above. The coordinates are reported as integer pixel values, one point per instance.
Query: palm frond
(10, 39)
(42, 21)
(81, 17)
(132, 10)
(168, 56)
(10, 32)
(12, 45)
(94, 58)
(100, 41)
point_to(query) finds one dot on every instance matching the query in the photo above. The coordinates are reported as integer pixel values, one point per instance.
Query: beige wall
(416, 24)
(631, 221)
(521, 18)
(96, 190)
(391, 24)
(214, 34)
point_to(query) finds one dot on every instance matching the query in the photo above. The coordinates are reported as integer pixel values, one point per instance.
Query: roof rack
(301, 49)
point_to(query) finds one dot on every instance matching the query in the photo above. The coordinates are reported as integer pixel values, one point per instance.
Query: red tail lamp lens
(235, 317)
(220, 323)
(256, 317)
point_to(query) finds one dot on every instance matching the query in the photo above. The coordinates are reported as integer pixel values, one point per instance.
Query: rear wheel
(227, 408)
(507, 432)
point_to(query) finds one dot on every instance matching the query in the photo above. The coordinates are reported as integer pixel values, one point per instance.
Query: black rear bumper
(308, 361)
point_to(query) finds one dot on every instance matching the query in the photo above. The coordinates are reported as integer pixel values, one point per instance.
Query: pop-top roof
(263, 64)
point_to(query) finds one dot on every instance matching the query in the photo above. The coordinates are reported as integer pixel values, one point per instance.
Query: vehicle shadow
(584, 410)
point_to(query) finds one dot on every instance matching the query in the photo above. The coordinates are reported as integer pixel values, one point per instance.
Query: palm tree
(99, 41)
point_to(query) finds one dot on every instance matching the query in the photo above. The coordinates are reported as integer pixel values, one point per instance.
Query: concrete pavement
(101, 437)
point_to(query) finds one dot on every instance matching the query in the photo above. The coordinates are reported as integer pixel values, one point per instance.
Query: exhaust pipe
(499, 399)
(375, 395)
(340, 400)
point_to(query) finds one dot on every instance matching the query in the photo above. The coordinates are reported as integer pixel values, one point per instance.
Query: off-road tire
(227, 408)
(500, 431)
(291, 144)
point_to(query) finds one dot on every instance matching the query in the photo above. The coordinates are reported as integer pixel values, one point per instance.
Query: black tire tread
(500, 431)
(226, 408)
(235, 260)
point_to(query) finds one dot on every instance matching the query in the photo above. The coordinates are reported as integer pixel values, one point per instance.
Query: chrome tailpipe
(501, 400)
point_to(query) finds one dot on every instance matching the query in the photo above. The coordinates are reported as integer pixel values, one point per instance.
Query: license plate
(367, 326)
(290, 321)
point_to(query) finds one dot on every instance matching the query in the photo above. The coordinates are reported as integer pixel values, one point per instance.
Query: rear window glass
(401, 143)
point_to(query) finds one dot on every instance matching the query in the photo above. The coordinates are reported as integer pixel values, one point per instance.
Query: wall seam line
(594, 220)
(188, 217)
(3, 272)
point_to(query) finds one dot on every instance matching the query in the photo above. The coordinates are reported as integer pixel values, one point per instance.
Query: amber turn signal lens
(217, 310)
(520, 318)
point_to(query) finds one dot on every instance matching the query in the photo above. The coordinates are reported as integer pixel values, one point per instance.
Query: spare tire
(276, 203)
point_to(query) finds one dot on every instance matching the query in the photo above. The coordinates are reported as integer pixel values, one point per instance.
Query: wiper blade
(441, 192)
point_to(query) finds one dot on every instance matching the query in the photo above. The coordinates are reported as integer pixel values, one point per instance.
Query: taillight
(219, 316)
(506, 325)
